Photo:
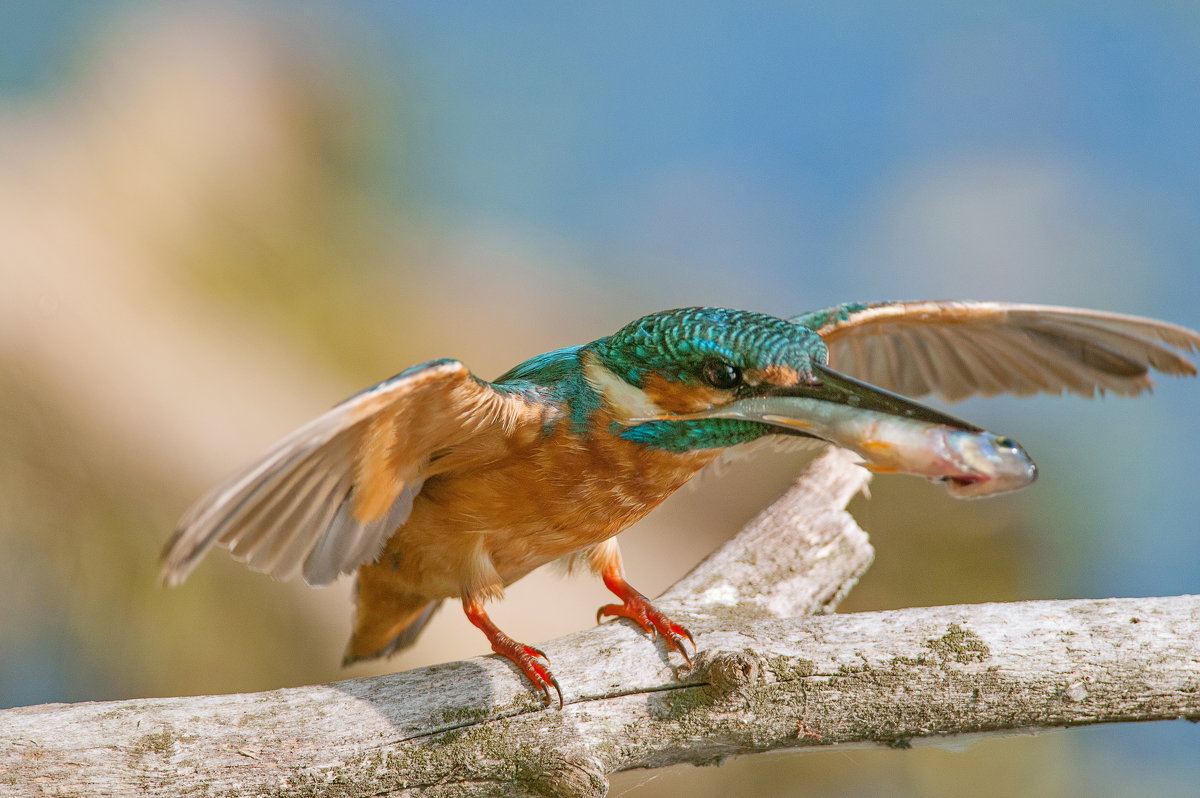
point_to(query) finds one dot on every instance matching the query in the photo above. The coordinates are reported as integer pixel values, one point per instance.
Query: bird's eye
(720, 374)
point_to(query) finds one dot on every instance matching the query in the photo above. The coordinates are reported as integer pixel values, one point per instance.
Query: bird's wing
(326, 498)
(960, 349)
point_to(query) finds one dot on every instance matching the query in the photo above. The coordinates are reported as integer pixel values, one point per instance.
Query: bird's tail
(382, 631)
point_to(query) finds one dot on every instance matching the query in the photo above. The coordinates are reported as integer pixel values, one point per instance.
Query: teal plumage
(675, 343)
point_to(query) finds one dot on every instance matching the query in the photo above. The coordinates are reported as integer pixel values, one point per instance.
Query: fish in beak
(891, 433)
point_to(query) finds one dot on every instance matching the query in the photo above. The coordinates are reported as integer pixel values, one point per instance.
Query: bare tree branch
(762, 682)
(800, 556)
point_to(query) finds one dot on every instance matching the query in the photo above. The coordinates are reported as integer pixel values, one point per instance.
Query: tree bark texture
(762, 681)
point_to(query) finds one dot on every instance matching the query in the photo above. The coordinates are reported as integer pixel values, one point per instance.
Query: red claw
(641, 611)
(523, 656)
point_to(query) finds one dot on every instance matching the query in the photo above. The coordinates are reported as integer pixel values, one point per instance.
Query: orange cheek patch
(676, 397)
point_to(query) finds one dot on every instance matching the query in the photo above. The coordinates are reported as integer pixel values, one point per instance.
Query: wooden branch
(473, 728)
(760, 683)
(800, 556)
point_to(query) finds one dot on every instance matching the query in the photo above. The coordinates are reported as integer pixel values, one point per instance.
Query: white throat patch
(623, 400)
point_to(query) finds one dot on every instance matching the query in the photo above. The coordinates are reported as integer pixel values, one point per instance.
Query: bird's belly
(478, 531)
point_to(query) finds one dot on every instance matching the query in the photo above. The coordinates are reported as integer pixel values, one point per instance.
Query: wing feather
(326, 498)
(260, 508)
(1026, 377)
(960, 349)
(918, 375)
(945, 366)
(260, 536)
(986, 375)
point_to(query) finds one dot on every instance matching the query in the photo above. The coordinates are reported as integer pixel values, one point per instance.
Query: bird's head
(702, 378)
(681, 362)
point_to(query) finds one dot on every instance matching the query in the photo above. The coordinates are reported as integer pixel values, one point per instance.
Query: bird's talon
(638, 609)
(684, 634)
(554, 683)
(525, 658)
(538, 674)
(536, 652)
(688, 635)
(678, 635)
(543, 679)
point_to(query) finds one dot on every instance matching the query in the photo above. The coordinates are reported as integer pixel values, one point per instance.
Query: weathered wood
(799, 556)
(473, 728)
(761, 682)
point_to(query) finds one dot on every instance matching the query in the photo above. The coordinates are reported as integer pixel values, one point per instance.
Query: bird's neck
(598, 402)
(699, 435)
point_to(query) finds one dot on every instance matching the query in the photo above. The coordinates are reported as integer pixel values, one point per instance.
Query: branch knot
(731, 671)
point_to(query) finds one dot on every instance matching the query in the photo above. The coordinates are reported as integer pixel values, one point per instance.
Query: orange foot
(638, 608)
(523, 656)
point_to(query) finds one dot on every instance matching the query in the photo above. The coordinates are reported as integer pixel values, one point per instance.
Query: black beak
(832, 386)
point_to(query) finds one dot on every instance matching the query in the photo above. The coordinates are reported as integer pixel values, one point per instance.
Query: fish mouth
(963, 487)
(1016, 473)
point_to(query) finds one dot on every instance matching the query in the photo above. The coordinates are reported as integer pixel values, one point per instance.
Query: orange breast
(478, 528)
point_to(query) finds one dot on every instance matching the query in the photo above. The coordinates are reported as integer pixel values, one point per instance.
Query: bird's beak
(891, 433)
(792, 407)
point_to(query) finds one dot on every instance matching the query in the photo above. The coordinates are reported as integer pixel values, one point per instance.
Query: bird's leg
(606, 559)
(523, 656)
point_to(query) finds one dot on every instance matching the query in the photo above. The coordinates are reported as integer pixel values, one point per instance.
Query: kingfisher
(437, 484)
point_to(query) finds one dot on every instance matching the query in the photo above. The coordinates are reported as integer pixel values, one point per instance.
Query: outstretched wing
(326, 498)
(960, 349)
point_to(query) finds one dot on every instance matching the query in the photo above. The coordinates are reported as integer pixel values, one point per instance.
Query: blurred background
(218, 219)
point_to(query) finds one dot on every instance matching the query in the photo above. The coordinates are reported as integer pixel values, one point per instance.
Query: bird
(436, 484)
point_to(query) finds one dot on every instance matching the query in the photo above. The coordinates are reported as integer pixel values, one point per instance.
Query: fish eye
(1007, 443)
(720, 374)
